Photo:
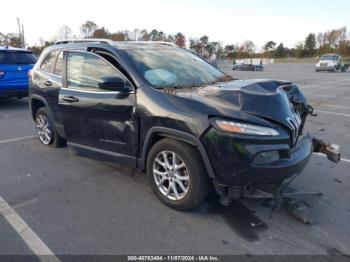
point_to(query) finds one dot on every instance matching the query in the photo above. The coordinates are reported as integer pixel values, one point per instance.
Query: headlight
(246, 129)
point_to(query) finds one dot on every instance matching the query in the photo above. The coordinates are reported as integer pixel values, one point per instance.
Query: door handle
(48, 83)
(70, 99)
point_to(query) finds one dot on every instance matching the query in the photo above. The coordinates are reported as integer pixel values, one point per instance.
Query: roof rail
(85, 40)
(111, 42)
(153, 42)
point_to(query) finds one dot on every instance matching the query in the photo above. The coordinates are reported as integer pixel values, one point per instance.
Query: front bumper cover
(232, 158)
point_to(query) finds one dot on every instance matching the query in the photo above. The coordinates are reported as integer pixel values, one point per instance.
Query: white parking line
(16, 139)
(326, 83)
(333, 113)
(342, 159)
(335, 106)
(27, 234)
(340, 96)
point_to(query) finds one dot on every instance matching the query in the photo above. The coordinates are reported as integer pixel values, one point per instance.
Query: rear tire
(183, 188)
(48, 136)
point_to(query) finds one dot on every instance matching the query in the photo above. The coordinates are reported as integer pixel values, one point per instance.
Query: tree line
(332, 41)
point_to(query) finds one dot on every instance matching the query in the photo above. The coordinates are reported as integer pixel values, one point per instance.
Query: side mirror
(114, 83)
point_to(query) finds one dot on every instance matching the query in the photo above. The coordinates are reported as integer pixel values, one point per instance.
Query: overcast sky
(229, 21)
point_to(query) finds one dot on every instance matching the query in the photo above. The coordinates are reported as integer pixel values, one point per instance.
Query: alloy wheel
(171, 175)
(43, 129)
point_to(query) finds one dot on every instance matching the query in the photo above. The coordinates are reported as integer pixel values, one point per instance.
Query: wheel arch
(157, 133)
(36, 102)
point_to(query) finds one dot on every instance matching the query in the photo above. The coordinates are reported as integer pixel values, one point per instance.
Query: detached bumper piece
(330, 150)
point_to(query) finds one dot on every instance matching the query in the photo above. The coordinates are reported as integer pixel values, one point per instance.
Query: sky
(228, 21)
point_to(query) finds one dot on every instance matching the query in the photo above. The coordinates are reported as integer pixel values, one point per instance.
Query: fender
(41, 99)
(179, 135)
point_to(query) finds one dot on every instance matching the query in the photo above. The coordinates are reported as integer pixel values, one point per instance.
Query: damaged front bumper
(240, 175)
(242, 160)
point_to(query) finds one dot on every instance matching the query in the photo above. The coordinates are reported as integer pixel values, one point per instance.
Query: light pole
(21, 32)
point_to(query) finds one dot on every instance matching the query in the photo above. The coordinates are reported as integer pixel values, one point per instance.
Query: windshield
(329, 57)
(17, 57)
(174, 68)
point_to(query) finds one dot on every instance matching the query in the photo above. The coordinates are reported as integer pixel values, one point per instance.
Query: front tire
(176, 174)
(45, 129)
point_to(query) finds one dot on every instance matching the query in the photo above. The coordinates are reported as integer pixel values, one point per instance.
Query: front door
(97, 123)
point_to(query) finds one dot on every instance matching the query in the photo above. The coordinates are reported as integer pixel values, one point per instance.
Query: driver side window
(85, 70)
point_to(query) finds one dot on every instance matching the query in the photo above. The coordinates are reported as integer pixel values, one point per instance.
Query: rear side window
(17, 58)
(48, 62)
(84, 71)
(59, 65)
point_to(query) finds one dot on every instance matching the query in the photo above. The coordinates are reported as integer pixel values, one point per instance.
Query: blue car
(14, 66)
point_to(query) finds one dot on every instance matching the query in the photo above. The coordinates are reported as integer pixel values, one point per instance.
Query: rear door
(47, 81)
(97, 123)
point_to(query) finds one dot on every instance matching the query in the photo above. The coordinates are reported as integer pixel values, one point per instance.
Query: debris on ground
(298, 210)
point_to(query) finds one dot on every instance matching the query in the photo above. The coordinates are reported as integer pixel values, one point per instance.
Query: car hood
(269, 99)
(327, 61)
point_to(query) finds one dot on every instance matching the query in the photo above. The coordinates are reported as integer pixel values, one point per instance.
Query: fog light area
(266, 157)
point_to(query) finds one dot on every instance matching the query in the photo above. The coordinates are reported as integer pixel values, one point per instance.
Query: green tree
(300, 50)
(154, 35)
(310, 44)
(280, 51)
(270, 45)
(145, 36)
(231, 51)
(180, 40)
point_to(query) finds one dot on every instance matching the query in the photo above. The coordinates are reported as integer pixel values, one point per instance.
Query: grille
(294, 123)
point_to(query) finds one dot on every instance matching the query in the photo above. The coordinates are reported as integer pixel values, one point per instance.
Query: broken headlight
(245, 129)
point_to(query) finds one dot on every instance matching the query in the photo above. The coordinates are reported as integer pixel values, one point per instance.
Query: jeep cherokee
(162, 109)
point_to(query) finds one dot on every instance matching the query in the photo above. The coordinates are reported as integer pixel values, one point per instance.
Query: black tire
(56, 140)
(198, 179)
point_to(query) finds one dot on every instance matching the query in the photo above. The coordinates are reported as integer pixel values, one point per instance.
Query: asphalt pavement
(78, 206)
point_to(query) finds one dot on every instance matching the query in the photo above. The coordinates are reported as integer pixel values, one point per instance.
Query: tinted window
(84, 71)
(174, 68)
(49, 61)
(17, 57)
(59, 65)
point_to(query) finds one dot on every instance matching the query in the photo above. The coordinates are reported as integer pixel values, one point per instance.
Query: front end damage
(277, 193)
(269, 181)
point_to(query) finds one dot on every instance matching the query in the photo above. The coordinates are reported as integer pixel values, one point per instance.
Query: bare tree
(119, 36)
(65, 32)
(88, 28)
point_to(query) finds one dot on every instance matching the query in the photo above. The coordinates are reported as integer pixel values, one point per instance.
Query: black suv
(162, 109)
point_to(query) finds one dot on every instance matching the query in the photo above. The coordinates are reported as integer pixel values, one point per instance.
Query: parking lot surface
(80, 206)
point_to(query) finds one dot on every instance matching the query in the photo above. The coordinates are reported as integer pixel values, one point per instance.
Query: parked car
(161, 109)
(329, 62)
(14, 66)
(250, 66)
